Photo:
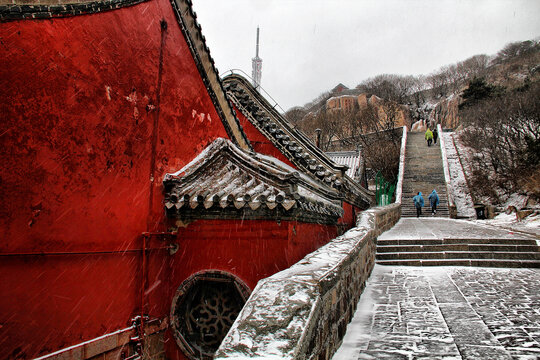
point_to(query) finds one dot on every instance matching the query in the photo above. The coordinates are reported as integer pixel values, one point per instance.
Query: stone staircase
(443, 241)
(459, 252)
(423, 172)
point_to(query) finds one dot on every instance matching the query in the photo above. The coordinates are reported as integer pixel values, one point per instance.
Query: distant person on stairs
(429, 137)
(418, 203)
(433, 201)
(435, 135)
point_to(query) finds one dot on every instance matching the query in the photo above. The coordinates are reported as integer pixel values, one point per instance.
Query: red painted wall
(79, 103)
(260, 143)
(250, 249)
(349, 215)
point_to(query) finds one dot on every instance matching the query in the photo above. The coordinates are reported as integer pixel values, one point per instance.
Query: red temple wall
(260, 143)
(350, 213)
(79, 100)
(78, 103)
(249, 249)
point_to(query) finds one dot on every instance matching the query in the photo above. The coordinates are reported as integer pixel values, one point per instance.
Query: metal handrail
(383, 190)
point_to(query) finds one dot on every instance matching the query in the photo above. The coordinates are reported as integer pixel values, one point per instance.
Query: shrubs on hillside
(503, 130)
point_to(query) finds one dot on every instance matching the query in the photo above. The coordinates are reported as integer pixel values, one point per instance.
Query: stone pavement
(441, 228)
(446, 313)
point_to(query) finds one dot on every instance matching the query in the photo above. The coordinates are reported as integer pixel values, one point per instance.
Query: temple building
(143, 196)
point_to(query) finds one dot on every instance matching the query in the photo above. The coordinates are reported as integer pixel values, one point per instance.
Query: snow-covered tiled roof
(293, 144)
(225, 181)
(350, 158)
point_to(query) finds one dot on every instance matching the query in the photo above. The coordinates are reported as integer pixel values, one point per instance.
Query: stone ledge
(303, 312)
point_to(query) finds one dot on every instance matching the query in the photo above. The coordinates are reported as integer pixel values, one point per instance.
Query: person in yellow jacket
(429, 137)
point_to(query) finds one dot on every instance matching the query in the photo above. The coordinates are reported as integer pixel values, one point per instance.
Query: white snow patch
(460, 190)
(517, 200)
(399, 187)
(529, 224)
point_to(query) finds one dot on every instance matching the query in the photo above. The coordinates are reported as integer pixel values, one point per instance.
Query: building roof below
(350, 158)
(224, 181)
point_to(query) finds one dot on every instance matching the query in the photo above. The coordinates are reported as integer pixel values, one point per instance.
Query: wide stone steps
(459, 252)
(426, 212)
(423, 172)
(408, 209)
(453, 241)
(462, 255)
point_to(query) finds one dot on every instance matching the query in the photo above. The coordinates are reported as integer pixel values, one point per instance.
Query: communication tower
(256, 66)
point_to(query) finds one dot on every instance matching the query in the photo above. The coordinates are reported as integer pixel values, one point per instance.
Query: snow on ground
(359, 329)
(459, 187)
(529, 224)
(509, 221)
(445, 312)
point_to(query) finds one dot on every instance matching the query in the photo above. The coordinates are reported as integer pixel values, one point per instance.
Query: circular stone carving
(204, 309)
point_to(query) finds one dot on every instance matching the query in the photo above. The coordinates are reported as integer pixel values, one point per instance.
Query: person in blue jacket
(418, 203)
(433, 201)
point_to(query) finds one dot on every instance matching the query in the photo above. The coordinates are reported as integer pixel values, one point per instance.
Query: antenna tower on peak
(256, 66)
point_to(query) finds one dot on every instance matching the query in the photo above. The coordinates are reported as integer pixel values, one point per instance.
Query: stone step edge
(460, 252)
(461, 262)
(407, 211)
(493, 253)
(454, 241)
(470, 248)
(442, 216)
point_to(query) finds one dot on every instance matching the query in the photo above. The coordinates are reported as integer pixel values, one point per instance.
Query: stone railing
(451, 205)
(303, 312)
(399, 186)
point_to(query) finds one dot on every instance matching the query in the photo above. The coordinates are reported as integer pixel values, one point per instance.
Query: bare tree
(472, 67)
(418, 90)
(439, 82)
(295, 114)
(515, 49)
(504, 133)
(389, 86)
(379, 139)
(319, 102)
(330, 123)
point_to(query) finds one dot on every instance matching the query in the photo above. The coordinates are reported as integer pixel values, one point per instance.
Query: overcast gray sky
(309, 46)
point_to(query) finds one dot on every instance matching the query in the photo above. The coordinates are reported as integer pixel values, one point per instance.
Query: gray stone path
(441, 228)
(446, 313)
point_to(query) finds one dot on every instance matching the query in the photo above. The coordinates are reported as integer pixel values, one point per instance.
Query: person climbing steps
(418, 203)
(429, 137)
(433, 201)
